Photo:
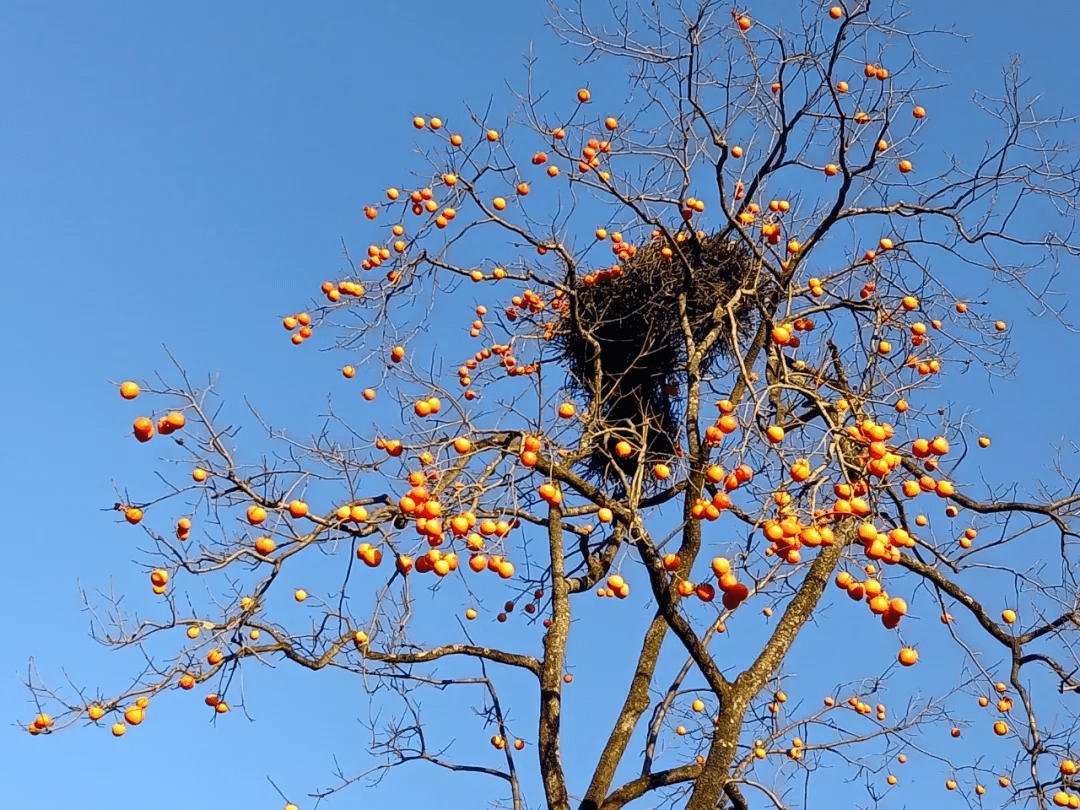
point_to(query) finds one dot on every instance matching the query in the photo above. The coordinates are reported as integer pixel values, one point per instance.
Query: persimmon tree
(702, 350)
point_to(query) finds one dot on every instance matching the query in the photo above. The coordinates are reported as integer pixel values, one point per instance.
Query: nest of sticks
(629, 331)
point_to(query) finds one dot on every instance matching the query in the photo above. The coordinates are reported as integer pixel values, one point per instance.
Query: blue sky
(181, 175)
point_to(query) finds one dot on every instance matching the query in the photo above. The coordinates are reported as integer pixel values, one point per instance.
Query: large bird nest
(628, 322)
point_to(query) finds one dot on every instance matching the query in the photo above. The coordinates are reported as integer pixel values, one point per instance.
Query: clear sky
(182, 175)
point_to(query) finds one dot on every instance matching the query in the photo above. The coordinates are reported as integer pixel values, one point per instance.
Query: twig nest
(626, 325)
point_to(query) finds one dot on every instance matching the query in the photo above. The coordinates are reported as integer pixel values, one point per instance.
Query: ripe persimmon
(144, 429)
(129, 390)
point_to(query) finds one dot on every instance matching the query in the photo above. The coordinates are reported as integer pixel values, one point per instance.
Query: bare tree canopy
(714, 403)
